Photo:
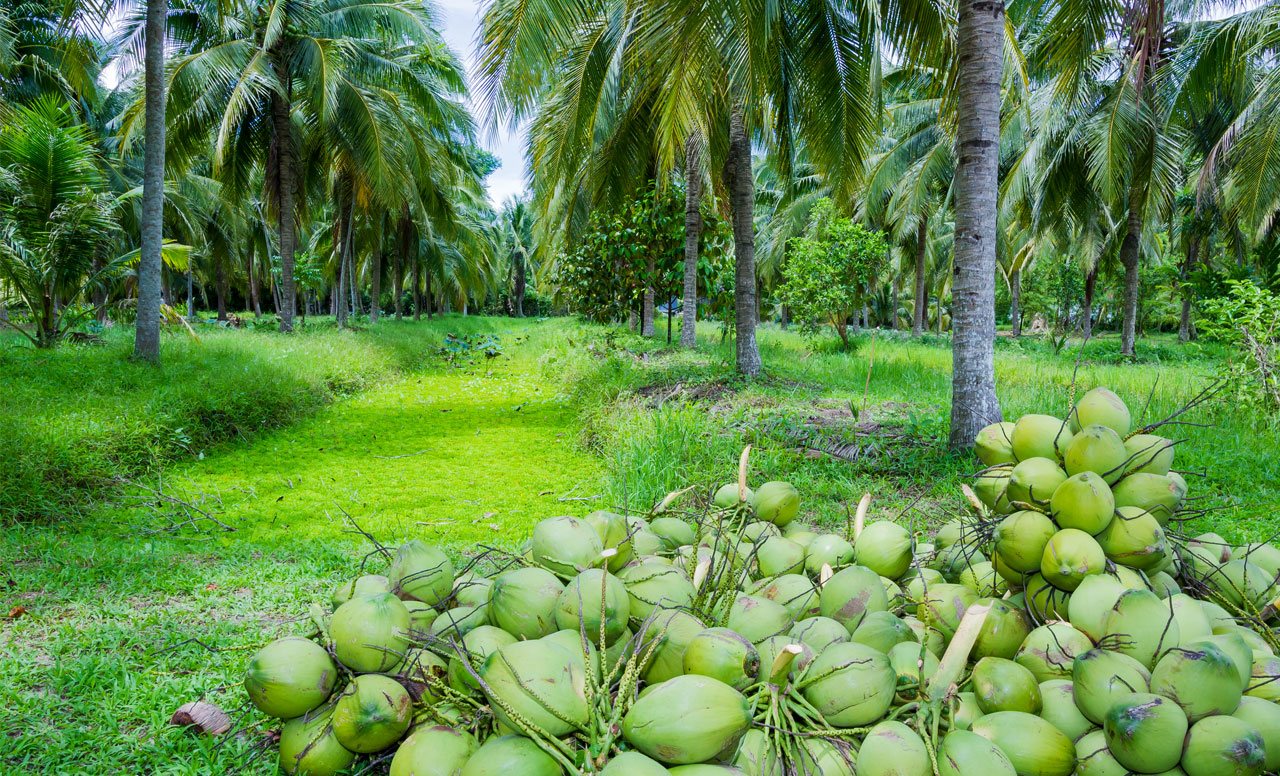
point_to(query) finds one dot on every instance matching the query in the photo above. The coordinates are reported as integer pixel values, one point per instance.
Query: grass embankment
(471, 451)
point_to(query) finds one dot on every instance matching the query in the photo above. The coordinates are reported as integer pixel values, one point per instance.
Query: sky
(461, 19)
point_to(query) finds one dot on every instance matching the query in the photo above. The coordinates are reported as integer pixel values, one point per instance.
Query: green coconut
(592, 600)
(920, 579)
(540, 681)
(913, 666)
(308, 746)
(1264, 679)
(1101, 407)
(885, 548)
(476, 646)
(827, 756)
(802, 536)
(777, 555)
(1033, 745)
(523, 602)
(1039, 436)
(1203, 554)
(727, 497)
(372, 713)
(1224, 746)
(1058, 707)
(1003, 631)
(827, 550)
(1094, 759)
(471, 589)
(1097, 449)
(954, 531)
(881, 630)
(654, 585)
(1049, 651)
(1202, 680)
(1135, 539)
(850, 684)
(424, 674)
(1101, 677)
(672, 630)
(633, 764)
(994, 444)
(565, 546)
(672, 531)
(758, 530)
(819, 632)
(1157, 494)
(1193, 622)
(1163, 585)
(1149, 453)
(1092, 601)
(1020, 540)
(509, 755)
(965, 753)
(687, 719)
(1003, 685)
(1234, 647)
(1143, 732)
(615, 534)
(705, 769)
(421, 617)
(370, 633)
(646, 544)
(964, 710)
(584, 654)
(422, 573)
(723, 654)
(1241, 584)
(795, 592)
(990, 484)
(289, 677)
(777, 502)
(1265, 556)
(1034, 480)
(1141, 625)
(943, 606)
(457, 622)
(368, 584)
(850, 594)
(1264, 716)
(1044, 601)
(438, 750)
(1251, 638)
(893, 749)
(1069, 556)
(983, 580)
(1083, 501)
(758, 618)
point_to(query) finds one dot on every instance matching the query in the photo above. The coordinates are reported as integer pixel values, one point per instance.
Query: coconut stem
(782, 663)
(742, 474)
(957, 654)
(860, 517)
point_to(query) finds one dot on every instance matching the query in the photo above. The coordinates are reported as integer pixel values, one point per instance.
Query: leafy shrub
(1248, 319)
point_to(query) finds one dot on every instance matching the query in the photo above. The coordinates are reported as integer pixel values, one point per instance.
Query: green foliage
(828, 270)
(1248, 319)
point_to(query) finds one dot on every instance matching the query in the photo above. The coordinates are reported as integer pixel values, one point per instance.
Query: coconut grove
(437, 388)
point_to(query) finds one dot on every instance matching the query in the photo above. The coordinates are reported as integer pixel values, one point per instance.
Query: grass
(124, 620)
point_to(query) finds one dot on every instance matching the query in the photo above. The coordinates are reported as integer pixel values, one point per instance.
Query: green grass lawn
(125, 621)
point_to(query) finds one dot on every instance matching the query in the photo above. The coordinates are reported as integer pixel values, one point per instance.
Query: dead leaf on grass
(202, 717)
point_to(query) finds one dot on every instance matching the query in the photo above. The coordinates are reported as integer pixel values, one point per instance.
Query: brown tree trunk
(692, 238)
(1130, 257)
(980, 43)
(518, 285)
(1015, 301)
(146, 340)
(344, 261)
(417, 290)
(375, 285)
(921, 318)
(286, 181)
(741, 184)
(99, 297)
(255, 297)
(1086, 314)
(1184, 275)
(646, 310)
(221, 286)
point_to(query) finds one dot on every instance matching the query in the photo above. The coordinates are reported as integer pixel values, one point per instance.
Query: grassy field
(125, 616)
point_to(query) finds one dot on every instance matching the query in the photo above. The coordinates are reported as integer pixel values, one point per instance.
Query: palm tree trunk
(646, 310)
(921, 318)
(1015, 301)
(1086, 314)
(286, 180)
(417, 290)
(255, 296)
(895, 292)
(375, 285)
(692, 238)
(146, 338)
(980, 43)
(1188, 296)
(1129, 257)
(741, 186)
(342, 298)
(519, 285)
(99, 297)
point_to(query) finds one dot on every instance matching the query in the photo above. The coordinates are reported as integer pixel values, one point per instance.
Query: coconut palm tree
(146, 340)
(517, 248)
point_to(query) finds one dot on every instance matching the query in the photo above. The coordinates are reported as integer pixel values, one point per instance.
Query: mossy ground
(125, 621)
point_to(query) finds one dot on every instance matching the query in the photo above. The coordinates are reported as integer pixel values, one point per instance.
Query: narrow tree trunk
(417, 291)
(220, 280)
(146, 339)
(980, 43)
(1015, 301)
(741, 186)
(895, 291)
(402, 259)
(692, 239)
(255, 296)
(375, 285)
(1130, 258)
(920, 319)
(519, 285)
(344, 263)
(646, 311)
(99, 296)
(1086, 314)
(286, 180)
(1184, 275)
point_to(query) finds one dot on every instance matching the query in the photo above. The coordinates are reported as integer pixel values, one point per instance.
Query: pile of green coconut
(1064, 624)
